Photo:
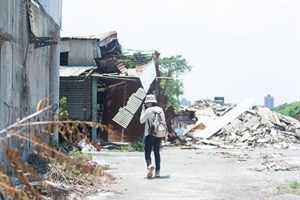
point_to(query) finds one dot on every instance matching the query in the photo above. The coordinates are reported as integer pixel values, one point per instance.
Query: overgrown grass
(53, 170)
(78, 154)
(64, 165)
(138, 146)
(293, 188)
(295, 185)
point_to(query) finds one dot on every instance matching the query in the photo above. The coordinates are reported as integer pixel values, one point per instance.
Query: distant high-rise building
(269, 101)
(185, 102)
(219, 100)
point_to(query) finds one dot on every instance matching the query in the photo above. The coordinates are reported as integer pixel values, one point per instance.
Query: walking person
(151, 142)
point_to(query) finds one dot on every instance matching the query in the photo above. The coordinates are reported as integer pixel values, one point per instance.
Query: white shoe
(157, 173)
(150, 171)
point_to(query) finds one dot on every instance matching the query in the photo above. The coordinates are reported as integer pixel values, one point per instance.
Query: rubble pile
(277, 162)
(258, 126)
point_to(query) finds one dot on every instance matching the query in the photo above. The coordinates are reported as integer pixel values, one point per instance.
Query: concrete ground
(198, 174)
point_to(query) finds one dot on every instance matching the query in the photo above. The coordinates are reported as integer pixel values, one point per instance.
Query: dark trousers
(152, 142)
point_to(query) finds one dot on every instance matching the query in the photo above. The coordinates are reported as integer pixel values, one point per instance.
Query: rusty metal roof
(107, 37)
(79, 38)
(74, 70)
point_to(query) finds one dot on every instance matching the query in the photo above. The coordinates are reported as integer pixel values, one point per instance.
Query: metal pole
(54, 76)
(94, 107)
(125, 93)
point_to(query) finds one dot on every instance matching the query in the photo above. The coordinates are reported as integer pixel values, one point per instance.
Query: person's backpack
(157, 127)
(151, 126)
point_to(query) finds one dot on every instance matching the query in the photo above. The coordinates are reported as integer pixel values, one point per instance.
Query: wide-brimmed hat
(150, 98)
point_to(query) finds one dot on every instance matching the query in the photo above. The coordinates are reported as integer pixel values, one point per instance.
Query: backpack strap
(159, 115)
(153, 118)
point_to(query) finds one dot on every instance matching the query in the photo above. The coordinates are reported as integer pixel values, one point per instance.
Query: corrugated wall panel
(115, 99)
(24, 75)
(81, 53)
(53, 8)
(74, 89)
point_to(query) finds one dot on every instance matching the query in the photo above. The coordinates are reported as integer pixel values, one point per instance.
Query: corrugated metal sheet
(19, 96)
(133, 104)
(140, 93)
(81, 51)
(53, 8)
(146, 74)
(79, 96)
(74, 70)
(65, 46)
(34, 18)
(114, 99)
(125, 115)
(122, 68)
(107, 37)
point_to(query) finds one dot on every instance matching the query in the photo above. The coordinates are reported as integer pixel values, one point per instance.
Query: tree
(291, 109)
(137, 58)
(173, 67)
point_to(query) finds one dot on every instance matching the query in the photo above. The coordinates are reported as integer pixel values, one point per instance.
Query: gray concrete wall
(24, 70)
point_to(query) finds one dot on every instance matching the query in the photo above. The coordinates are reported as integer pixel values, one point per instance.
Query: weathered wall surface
(54, 9)
(116, 98)
(81, 52)
(78, 91)
(24, 69)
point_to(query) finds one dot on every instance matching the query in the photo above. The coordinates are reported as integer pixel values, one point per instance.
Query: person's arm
(166, 137)
(162, 114)
(144, 115)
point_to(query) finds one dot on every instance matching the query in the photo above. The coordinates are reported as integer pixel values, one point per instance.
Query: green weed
(138, 146)
(295, 185)
(293, 188)
(78, 154)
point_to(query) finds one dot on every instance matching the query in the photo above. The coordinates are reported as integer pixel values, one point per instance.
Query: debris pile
(277, 162)
(257, 126)
(75, 180)
(74, 176)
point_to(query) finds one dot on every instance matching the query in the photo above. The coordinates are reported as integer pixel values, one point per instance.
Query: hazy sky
(238, 49)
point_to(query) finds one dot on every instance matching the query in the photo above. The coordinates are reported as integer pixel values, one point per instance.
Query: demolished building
(241, 126)
(102, 89)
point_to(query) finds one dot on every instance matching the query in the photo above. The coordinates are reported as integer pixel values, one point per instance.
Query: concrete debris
(255, 126)
(277, 162)
(237, 155)
(266, 161)
(220, 122)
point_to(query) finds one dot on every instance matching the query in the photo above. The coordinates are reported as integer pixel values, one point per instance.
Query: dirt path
(198, 174)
